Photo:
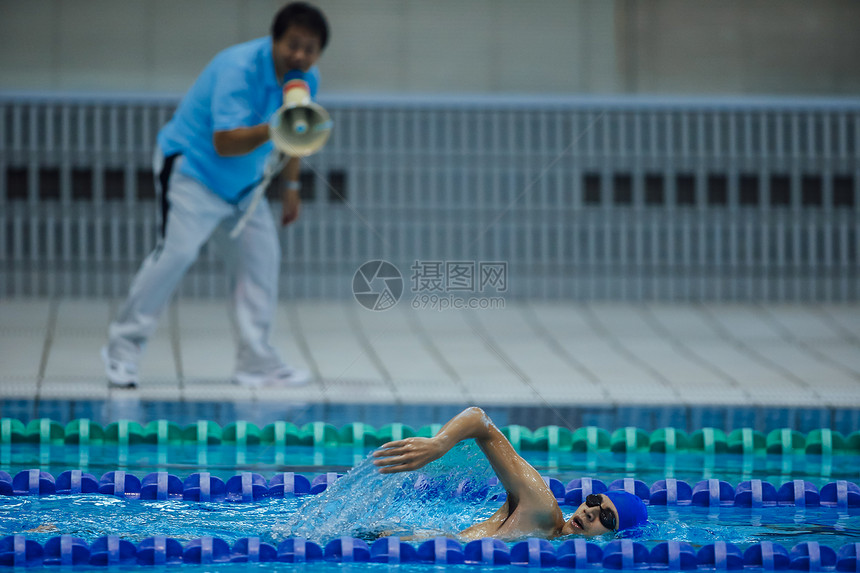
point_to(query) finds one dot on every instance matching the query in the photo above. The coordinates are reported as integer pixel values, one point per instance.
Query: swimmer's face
(596, 516)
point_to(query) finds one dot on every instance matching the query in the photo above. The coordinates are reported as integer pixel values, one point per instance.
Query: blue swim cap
(631, 509)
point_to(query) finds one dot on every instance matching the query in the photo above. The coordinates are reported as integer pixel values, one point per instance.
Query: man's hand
(407, 455)
(292, 204)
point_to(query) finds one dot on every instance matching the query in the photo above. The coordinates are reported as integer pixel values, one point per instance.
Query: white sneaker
(283, 377)
(119, 374)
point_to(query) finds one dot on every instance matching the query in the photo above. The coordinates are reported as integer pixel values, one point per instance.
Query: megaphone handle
(257, 195)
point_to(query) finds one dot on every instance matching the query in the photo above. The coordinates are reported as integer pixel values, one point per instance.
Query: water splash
(445, 497)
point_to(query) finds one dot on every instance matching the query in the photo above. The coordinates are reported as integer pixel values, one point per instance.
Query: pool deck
(528, 354)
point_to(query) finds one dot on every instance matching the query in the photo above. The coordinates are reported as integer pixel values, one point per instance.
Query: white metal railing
(584, 198)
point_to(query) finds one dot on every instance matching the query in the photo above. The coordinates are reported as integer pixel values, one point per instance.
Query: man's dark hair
(304, 15)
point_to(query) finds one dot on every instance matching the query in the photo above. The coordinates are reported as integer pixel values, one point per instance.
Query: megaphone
(300, 127)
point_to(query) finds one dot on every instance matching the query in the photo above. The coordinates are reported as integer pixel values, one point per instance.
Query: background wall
(782, 47)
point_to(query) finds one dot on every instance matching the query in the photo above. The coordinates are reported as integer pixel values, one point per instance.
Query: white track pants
(252, 260)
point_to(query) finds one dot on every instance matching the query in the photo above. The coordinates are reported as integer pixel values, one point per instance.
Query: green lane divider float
(853, 441)
(241, 434)
(358, 434)
(393, 432)
(552, 439)
(746, 441)
(124, 433)
(319, 435)
(825, 441)
(44, 431)
(590, 439)
(83, 431)
(709, 441)
(669, 440)
(629, 440)
(785, 441)
(162, 433)
(280, 434)
(202, 433)
(12, 431)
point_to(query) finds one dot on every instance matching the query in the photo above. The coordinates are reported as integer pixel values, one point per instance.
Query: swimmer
(530, 507)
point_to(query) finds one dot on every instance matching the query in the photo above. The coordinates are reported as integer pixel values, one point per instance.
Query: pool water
(90, 516)
(368, 505)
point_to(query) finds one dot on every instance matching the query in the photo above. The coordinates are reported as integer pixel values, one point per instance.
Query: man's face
(586, 519)
(297, 49)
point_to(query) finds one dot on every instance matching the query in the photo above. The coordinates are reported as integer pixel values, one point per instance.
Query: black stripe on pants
(163, 179)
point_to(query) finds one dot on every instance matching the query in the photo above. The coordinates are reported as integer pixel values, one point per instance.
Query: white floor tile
(21, 356)
(358, 391)
(569, 354)
(24, 317)
(75, 356)
(83, 317)
(745, 323)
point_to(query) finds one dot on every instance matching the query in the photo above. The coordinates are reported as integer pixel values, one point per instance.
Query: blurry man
(210, 157)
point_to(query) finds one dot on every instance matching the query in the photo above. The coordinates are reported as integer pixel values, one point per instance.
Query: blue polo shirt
(238, 88)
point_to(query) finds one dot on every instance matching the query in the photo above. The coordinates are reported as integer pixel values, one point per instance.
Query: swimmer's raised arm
(517, 476)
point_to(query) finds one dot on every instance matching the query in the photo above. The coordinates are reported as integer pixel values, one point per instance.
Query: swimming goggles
(607, 518)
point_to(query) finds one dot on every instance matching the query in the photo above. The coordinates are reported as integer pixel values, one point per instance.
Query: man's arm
(241, 140)
(518, 477)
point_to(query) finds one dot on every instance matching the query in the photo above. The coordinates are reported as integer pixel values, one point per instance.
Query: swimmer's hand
(409, 454)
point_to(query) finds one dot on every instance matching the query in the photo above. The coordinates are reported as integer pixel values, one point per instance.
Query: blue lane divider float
(120, 483)
(579, 554)
(33, 482)
(110, 551)
(203, 486)
(441, 551)
(321, 482)
(768, 556)
(66, 550)
(347, 550)
(848, 557)
(73, 482)
(533, 553)
(621, 554)
(299, 550)
(247, 487)
(755, 493)
(289, 484)
(713, 492)
(626, 554)
(252, 550)
(673, 556)
(486, 552)
(206, 550)
(392, 550)
(721, 555)
(812, 556)
(160, 486)
(159, 550)
(670, 491)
